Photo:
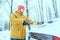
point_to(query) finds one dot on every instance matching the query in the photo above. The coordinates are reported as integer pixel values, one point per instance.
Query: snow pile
(4, 35)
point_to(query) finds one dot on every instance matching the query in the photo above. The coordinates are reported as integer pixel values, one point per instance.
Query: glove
(25, 23)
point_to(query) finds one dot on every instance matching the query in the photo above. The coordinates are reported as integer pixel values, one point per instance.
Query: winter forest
(46, 11)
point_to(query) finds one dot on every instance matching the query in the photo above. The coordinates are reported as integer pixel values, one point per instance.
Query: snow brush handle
(38, 23)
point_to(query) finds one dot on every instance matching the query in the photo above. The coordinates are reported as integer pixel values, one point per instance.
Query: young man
(18, 30)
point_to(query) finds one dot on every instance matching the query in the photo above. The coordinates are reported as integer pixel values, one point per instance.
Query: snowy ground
(51, 29)
(4, 35)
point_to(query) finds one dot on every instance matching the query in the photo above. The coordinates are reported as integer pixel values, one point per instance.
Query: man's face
(22, 10)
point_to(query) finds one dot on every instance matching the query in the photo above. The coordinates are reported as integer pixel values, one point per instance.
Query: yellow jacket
(18, 29)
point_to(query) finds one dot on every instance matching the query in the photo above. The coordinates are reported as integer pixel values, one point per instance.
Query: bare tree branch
(8, 3)
(2, 3)
(55, 8)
